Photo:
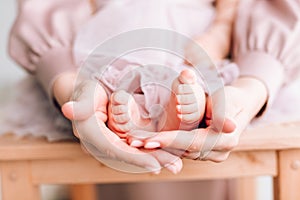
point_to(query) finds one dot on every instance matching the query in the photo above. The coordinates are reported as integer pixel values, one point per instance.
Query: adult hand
(243, 101)
(89, 126)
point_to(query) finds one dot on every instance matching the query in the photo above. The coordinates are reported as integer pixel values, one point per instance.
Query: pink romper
(150, 72)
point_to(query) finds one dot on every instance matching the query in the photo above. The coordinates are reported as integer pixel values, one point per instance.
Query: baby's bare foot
(124, 114)
(189, 99)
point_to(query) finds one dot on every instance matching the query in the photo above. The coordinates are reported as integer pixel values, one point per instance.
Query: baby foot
(124, 114)
(188, 99)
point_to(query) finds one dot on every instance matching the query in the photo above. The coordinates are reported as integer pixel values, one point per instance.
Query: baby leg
(187, 103)
(124, 115)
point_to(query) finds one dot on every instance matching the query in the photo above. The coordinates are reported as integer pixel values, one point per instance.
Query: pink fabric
(265, 42)
(276, 35)
(150, 85)
(42, 36)
(267, 38)
(150, 71)
(190, 18)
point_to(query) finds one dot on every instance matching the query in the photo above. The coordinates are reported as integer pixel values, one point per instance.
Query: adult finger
(86, 97)
(169, 161)
(181, 140)
(108, 144)
(194, 141)
(136, 138)
(213, 155)
(228, 125)
(216, 156)
(220, 112)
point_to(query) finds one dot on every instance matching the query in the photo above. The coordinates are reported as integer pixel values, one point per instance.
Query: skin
(184, 110)
(90, 126)
(216, 48)
(88, 110)
(243, 100)
(216, 41)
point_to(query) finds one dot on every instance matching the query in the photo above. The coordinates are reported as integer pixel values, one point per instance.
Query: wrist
(255, 91)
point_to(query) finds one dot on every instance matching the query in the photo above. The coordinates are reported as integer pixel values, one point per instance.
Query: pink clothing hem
(259, 64)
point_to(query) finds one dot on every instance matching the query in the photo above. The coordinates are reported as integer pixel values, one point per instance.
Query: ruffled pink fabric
(267, 38)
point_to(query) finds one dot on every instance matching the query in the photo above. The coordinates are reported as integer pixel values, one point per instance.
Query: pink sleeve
(42, 35)
(266, 41)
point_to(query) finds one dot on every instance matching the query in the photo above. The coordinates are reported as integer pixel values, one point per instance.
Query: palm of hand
(89, 113)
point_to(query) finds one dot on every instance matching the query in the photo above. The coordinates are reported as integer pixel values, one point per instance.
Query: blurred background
(11, 73)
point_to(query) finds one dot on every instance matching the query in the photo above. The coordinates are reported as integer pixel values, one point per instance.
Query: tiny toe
(186, 99)
(120, 97)
(187, 76)
(190, 118)
(187, 109)
(119, 109)
(184, 89)
(124, 127)
(123, 118)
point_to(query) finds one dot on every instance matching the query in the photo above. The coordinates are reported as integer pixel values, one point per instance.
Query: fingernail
(156, 172)
(231, 125)
(136, 143)
(152, 145)
(232, 120)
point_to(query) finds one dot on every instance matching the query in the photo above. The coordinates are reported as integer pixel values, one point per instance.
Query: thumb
(217, 116)
(74, 110)
(229, 126)
(87, 96)
(67, 110)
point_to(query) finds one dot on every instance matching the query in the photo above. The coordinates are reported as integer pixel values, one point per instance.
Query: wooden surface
(89, 170)
(13, 148)
(83, 192)
(28, 162)
(288, 180)
(17, 182)
(280, 136)
(244, 188)
(283, 136)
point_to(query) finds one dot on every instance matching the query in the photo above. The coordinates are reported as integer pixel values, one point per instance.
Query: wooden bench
(27, 163)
